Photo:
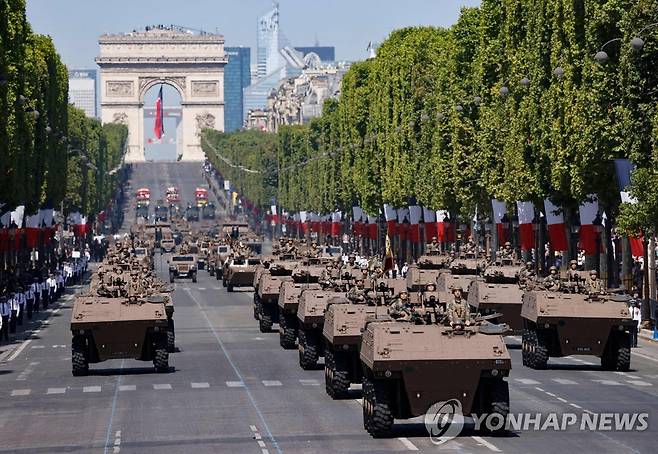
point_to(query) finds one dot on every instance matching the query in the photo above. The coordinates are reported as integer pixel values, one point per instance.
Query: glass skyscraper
(267, 55)
(82, 90)
(237, 76)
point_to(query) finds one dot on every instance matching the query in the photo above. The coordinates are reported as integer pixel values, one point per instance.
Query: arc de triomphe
(191, 62)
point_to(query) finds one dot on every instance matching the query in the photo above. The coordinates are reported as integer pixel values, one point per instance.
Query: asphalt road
(233, 389)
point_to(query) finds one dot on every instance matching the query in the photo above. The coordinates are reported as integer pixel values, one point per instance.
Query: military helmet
(573, 262)
(593, 273)
(404, 295)
(507, 243)
(528, 263)
(553, 268)
(430, 287)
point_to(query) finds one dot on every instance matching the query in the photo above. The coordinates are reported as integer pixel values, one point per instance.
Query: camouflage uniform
(594, 285)
(526, 274)
(552, 281)
(458, 309)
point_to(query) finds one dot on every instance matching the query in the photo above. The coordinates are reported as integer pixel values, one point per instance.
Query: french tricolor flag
(499, 210)
(391, 216)
(588, 211)
(158, 128)
(555, 223)
(429, 219)
(526, 212)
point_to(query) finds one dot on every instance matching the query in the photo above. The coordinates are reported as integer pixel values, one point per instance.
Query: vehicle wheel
(194, 278)
(538, 358)
(223, 282)
(171, 278)
(161, 357)
(79, 361)
(337, 381)
(525, 349)
(171, 337)
(366, 387)
(287, 331)
(229, 288)
(308, 350)
(498, 402)
(218, 275)
(379, 412)
(265, 320)
(617, 353)
(256, 307)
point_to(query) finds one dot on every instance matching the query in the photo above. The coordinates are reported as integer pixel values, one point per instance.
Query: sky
(347, 24)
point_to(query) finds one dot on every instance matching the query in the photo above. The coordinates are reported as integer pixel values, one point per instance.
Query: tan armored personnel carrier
(118, 328)
(500, 294)
(240, 272)
(408, 368)
(446, 281)
(310, 320)
(425, 271)
(183, 266)
(561, 324)
(288, 303)
(223, 253)
(466, 264)
(266, 296)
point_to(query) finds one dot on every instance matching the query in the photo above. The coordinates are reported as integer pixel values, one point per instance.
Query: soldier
(327, 276)
(357, 293)
(507, 252)
(458, 310)
(573, 274)
(552, 281)
(594, 285)
(433, 247)
(5, 313)
(398, 310)
(526, 274)
(470, 247)
(291, 249)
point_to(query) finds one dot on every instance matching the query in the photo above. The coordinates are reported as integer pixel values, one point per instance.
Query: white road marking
(235, 384)
(408, 444)
(650, 358)
(201, 288)
(261, 443)
(127, 388)
(550, 394)
(575, 405)
(19, 350)
(200, 385)
(186, 288)
(56, 391)
(56, 311)
(486, 443)
(253, 428)
(258, 436)
(310, 382)
(587, 363)
(527, 381)
(264, 451)
(608, 382)
(36, 346)
(118, 434)
(21, 392)
(639, 383)
(565, 381)
(627, 375)
(539, 389)
(216, 288)
(116, 450)
(271, 383)
(91, 389)
(562, 400)
(162, 386)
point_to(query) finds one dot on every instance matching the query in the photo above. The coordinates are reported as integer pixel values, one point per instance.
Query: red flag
(158, 128)
(637, 245)
(588, 212)
(555, 222)
(526, 215)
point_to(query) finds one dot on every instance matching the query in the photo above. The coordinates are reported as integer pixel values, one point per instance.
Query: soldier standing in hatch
(457, 309)
(594, 285)
(398, 310)
(507, 253)
(552, 281)
(357, 293)
(433, 247)
(573, 273)
(526, 274)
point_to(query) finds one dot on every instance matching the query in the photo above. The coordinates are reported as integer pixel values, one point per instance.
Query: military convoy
(183, 266)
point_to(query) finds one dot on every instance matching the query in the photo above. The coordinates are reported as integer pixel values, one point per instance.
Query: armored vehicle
(562, 324)
(116, 328)
(167, 243)
(310, 320)
(425, 271)
(288, 303)
(502, 299)
(204, 247)
(192, 213)
(223, 252)
(161, 211)
(142, 211)
(466, 264)
(239, 272)
(183, 266)
(407, 368)
(266, 295)
(208, 211)
(342, 330)
(446, 281)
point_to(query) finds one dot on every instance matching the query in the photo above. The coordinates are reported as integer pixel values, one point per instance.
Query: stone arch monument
(191, 62)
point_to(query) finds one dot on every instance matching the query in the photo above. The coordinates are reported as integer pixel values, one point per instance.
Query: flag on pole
(555, 222)
(588, 212)
(526, 215)
(158, 128)
(499, 211)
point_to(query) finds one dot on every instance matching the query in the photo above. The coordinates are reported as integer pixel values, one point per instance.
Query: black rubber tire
(264, 321)
(223, 282)
(336, 375)
(256, 307)
(171, 337)
(194, 278)
(525, 349)
(171, 278)
(218, 275)
(380, 414)
(287, 331)
(79, 361)
(161, 360)
(617, 353)
(308, 350)
(498, 402)
(229, 288)
(366, 387)
(538, 358)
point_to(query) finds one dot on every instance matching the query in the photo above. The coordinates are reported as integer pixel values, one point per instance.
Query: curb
(647, 334)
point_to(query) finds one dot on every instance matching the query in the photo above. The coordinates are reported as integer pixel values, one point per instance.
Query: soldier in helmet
(508, 253)
(573, 273)
(433, 247)
(357, 293)
(526, 274)
(457, 309)
(594, 285)
(552, 281)
(399, 309)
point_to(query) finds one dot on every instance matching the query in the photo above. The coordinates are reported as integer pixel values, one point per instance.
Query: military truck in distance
(288, 303)
(310, 319)
(266, 296)
(192, 213)
(562, 324)
(167, 243)
(183, 266)
(223, 252)
(118, 328)
(402, 362)
(239, 272)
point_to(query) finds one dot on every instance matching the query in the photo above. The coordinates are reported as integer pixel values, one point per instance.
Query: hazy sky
(347, 24)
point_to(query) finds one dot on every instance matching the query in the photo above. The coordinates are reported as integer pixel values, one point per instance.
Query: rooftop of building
(163, 32)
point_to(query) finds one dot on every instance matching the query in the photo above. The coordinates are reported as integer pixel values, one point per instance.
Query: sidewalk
(647, 334)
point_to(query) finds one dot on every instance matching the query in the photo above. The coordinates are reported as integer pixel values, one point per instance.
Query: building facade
(82, 90)
(327, 54)
(268, 37)
(237, 76)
